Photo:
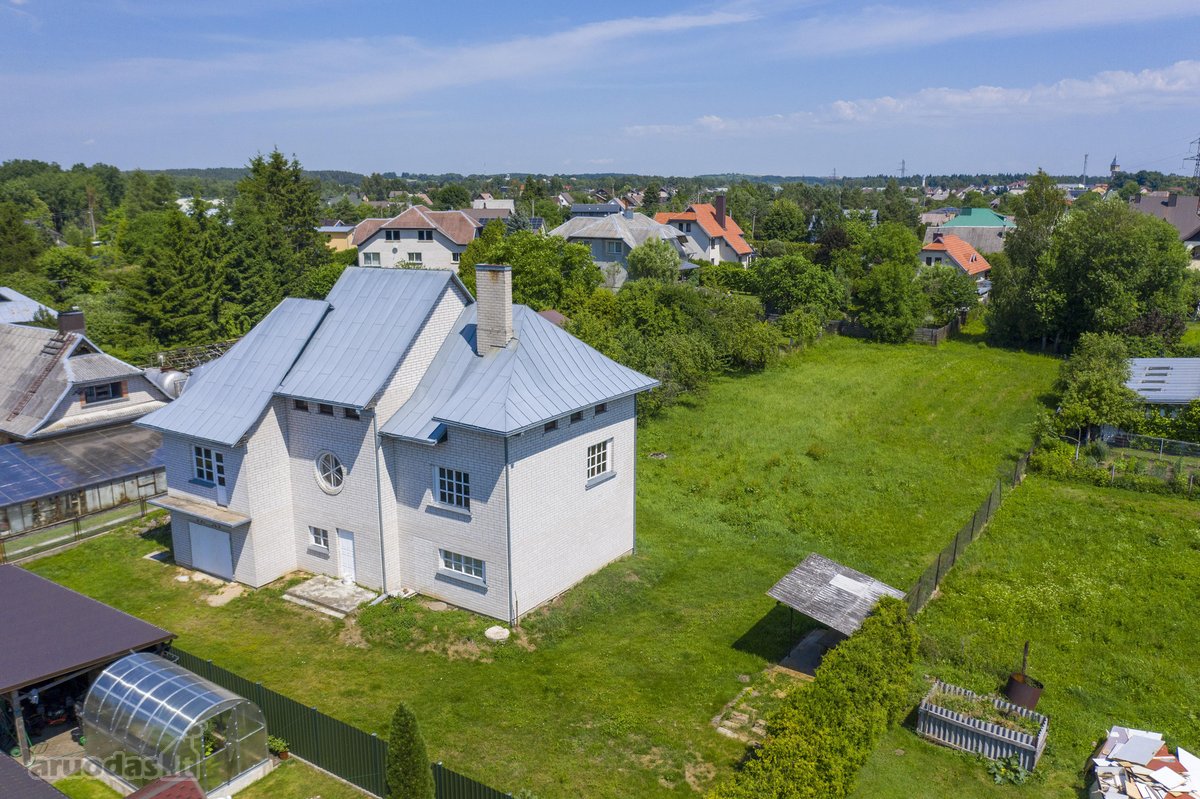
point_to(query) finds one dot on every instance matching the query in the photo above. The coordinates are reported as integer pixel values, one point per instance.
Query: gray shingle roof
(223, 403)
(634, 229)
(18, 781)
(1165, 381)
(375, 315)
(543, 374)
(833, 594)
(42, 360)
(15, 307)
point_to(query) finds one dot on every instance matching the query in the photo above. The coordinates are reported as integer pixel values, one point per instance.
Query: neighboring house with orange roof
(947, 248)
(713, 230)
(416, 237)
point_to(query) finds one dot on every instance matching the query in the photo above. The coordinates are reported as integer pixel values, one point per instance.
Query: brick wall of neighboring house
(435, 254)
(562, 528)
(424, 527)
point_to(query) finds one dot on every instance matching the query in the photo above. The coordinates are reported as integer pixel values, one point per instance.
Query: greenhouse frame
(145, 717)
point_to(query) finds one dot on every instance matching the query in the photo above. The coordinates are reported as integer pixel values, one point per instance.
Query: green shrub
(409, 775)
(800, 326)
(1053, 457)
(822, 734)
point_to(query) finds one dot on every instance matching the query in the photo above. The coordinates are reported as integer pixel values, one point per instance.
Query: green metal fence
(358, 757)
(928, 582)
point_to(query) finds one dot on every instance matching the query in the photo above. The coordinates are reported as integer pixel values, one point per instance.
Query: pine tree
(408, 773)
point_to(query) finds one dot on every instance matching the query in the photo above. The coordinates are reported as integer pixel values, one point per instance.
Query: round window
(330, 472)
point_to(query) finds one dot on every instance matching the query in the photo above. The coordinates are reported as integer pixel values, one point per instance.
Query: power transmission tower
(1196, 158)
(1085, 158)
(902, 169)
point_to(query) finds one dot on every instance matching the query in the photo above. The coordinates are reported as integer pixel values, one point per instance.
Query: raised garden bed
(994, 728)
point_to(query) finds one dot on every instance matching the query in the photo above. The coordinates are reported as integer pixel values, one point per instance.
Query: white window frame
(331, 472)
(456, 257)
(371, 259)
(318, 537)
(425, 235)
(414, 258)
(208, 465)
(612, 247)
(599, 460)
(452, 489)
(392, 235)
(462, 566)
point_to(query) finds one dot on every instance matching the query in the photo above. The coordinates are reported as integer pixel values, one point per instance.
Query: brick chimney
(493, 297)
(720, 208)
(72, 322)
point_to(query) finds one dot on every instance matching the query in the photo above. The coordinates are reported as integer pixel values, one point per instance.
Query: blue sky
(675, 88)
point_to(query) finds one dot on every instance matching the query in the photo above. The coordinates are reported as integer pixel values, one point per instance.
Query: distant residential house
(1169, 383)
(947, 248)
(596, 209)
(407, 437)
(336, 233)
(487, 203)
(936, 218)
(16, 308)
(485, 215)
(416, 237)
(718, 236)
(1182, 211)
(54, 382)
(611, 237)
(982, 228)
(564, 200)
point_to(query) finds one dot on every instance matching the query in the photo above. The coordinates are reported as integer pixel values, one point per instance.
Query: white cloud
(1177, 85)
(884, 27)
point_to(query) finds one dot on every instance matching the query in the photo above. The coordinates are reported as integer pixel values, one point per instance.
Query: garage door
(210, 551)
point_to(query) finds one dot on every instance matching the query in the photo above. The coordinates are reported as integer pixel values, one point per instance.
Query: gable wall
(435, 254)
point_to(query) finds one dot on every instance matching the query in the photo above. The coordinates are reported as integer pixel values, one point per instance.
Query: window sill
(600, 478)
(454, 509)
(202, 483)
(314, 549)
(459, 577)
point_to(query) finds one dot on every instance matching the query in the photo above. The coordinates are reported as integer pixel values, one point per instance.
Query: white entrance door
(346, 556)
(210, 551)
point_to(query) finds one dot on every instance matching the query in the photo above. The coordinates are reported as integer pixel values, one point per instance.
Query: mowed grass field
(870, 454)
(1103, 583)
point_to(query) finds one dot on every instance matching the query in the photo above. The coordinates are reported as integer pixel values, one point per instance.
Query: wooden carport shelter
(828, 592)
(53, 634)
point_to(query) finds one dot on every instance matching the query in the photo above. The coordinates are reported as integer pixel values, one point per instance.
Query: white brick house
(403, 436)
(418, 237)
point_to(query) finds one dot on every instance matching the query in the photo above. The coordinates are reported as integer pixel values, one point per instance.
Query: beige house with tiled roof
(417, 237)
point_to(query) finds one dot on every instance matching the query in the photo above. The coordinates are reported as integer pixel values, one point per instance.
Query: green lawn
(81, 786)
(1102, 582)
(870, 454)
(295, 780)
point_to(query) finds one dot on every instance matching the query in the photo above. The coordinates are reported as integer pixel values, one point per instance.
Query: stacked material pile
(1135, 764)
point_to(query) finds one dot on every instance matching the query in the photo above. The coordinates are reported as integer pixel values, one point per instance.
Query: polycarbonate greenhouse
(146, 717)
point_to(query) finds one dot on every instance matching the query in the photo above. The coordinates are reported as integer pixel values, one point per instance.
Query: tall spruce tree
(408, 773)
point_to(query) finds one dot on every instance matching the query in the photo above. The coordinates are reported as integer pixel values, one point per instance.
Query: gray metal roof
(374, 317)
(545, 373)
(15, 307)
(38, 366)
(634, 229)
(223, 403)
(21, 783)
(833, 594)
(1165, 381)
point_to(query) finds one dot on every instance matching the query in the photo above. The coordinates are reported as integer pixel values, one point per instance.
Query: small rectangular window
(391, 235)
(597, 459)
(320, 537)
(370, 259)
(414, 257)
(424, 235)
(463, 564)
(613, 247)
(351, 413)
(300, 405)
(577, 417)
(454, 488)
(602, 407)
(102, 393)
(325, 410)
(209, 465)
(456, 257)
(550, 426)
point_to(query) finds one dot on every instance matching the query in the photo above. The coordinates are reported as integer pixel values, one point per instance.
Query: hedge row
(1057, 459)
(821, 736)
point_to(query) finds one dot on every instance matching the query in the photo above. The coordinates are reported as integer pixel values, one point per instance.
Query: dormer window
(103, 392)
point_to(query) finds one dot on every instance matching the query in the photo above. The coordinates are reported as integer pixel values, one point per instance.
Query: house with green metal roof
(982, 228)
(979, 217)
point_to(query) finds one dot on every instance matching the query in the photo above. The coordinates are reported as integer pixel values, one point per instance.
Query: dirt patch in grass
(351, 635)
(699, 775)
